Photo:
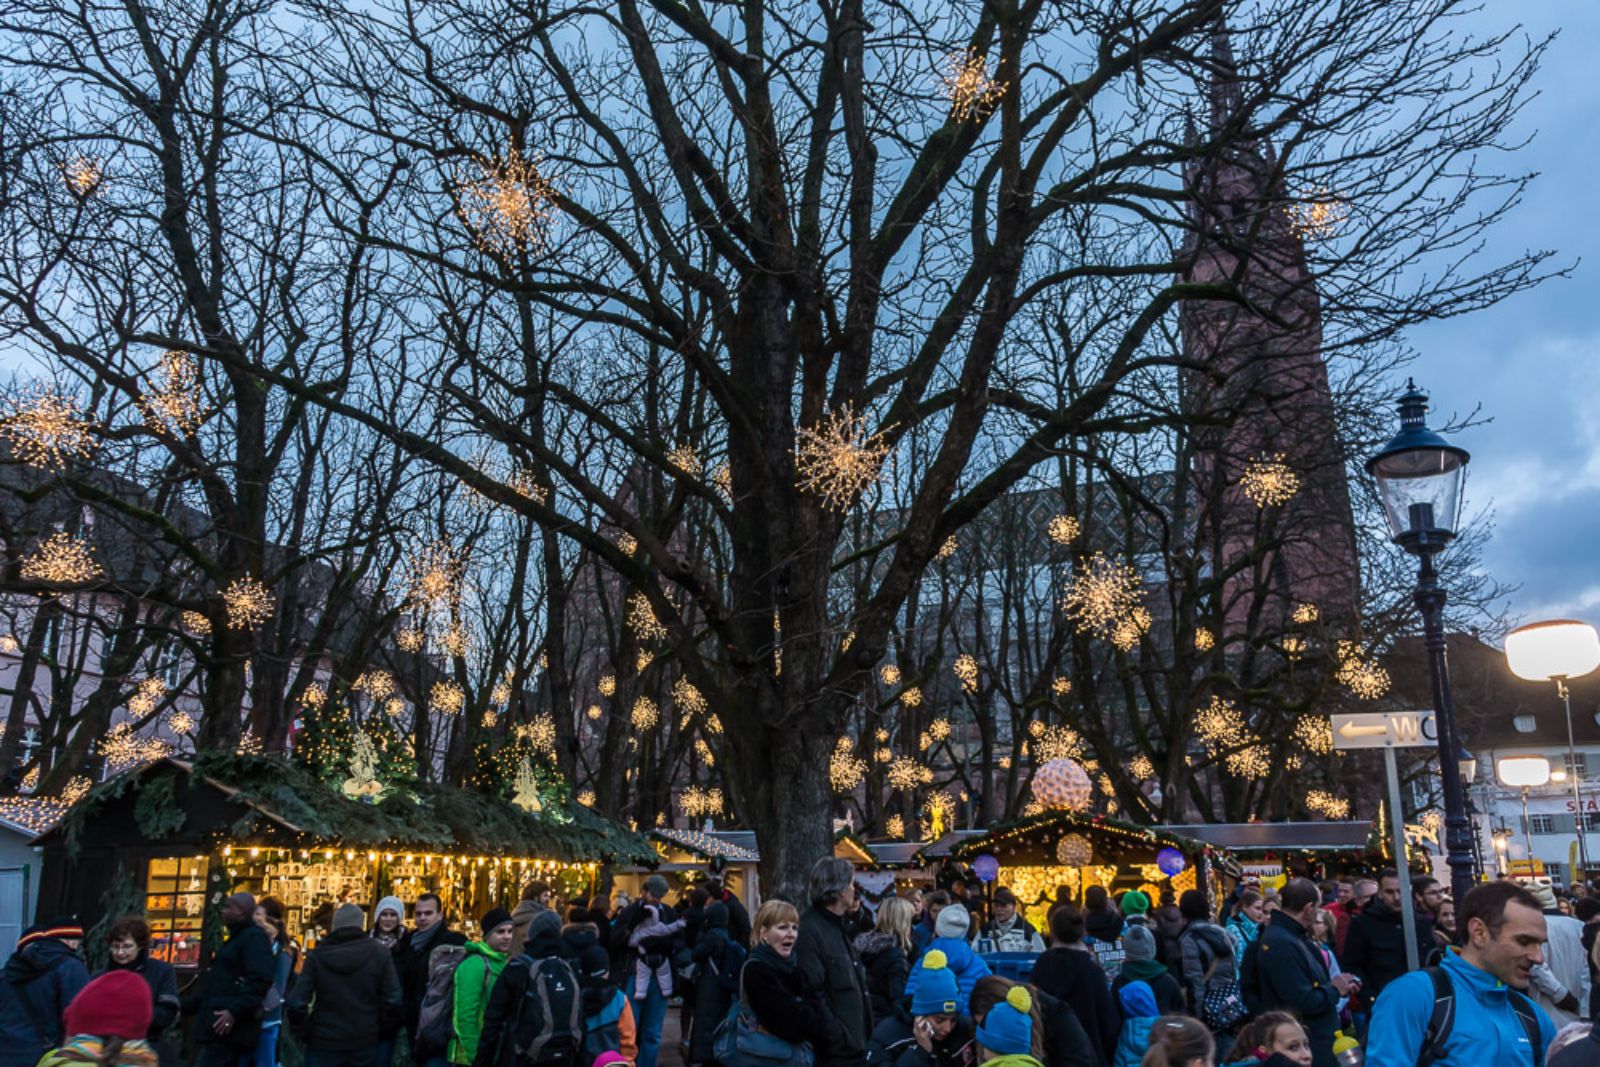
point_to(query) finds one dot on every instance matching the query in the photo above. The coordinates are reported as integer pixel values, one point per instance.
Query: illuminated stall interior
(174, 838)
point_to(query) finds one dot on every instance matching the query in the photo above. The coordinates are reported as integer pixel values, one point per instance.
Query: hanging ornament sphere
(1062, 784)
(986, 867)
(1171, 862)
(1074, 850)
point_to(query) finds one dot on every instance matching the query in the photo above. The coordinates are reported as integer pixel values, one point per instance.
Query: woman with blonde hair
(886, 952)
(770, 983)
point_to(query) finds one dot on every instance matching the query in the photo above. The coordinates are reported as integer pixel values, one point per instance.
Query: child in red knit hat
(106, 1024)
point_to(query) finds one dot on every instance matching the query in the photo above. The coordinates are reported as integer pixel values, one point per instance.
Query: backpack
(436, 1021)
(730, 966)
(1443, 1019)
(549, 1026)
(602, 1031)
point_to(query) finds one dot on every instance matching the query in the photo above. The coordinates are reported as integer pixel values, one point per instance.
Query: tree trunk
(785, 796)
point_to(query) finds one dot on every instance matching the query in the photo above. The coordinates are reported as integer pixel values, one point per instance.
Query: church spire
(1227, 99)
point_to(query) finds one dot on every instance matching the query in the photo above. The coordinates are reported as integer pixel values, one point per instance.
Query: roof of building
(1489, 699)
(710, 845)
(1279, 836)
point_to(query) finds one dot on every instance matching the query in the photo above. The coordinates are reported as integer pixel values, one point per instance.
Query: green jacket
(474, 977)
(1018, 1059)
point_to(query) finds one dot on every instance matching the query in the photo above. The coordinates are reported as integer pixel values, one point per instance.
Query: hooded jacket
(1070, 974)
(348, 994)
(1486, 1029)
(829, 966)
(236, 982)
(521, 916)
(887, 966)
(966, 964)
(40, 980)
(475, 978)
(1207, 960)
(1139, 1013)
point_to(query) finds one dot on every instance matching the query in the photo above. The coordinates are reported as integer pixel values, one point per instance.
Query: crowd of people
(1305, 976)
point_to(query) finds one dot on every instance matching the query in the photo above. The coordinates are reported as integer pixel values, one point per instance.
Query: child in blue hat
(1005, 1038)
(939, 1034)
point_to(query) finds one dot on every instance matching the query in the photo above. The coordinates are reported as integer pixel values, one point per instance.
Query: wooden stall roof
(708, 845)
(273, 797)
(1280, 836)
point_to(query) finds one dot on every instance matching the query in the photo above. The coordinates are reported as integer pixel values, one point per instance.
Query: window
(1576, 764)
(175, 897)
(1556, 873)
(1591, 821)
(1542, 824)
(1525, 724)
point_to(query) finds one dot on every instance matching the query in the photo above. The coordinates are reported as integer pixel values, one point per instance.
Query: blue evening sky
(1533, 362)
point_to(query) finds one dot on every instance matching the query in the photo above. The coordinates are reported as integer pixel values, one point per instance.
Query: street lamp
(1525, 772)
(1419, 476)
(1556, 651)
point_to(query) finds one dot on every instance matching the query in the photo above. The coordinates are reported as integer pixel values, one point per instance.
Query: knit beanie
(545, 922)
(1134, 902)
(394, 904)
(1008, 1028)
(1139, 943)
(953, 921)
(117, 1004)
(937, 992)
(594, 965)
(492, 918)
(349, 917)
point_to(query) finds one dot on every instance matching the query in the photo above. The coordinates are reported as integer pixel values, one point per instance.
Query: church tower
(1256, 387)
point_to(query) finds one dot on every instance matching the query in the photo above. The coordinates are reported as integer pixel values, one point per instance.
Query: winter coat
(1133, 1040)
(1018, 935)
(738, 919)
(1168, 994)
(88, 1048)
(347, 997)
(1018, 1060)
(828, 963)
(1375, 947)
(1286, 973)
(474, 984)
(1242, 932)
(1565, 970)
(521, 918)
(1170, 924)
(165, 1005)
(710, 999)
(1103, 924)
(1486, 1030)
(1208, 960)
(606, 1003)
(894, 1045)
(888, 966)
(1065, 1042)
(966, 964)
(1072, 975)
(505, 997)
(575, 937)
(921, 938)
(411, 963)
(40, 981)
(777, 993)
(236, 981)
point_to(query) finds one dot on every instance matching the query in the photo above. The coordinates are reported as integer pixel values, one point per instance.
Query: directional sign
(1385, 729)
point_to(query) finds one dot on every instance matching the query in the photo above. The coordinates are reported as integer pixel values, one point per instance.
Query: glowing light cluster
(377, 684)
(1365, 679)
(911, 697)
(123, 749)
(895, 826)
(61, 559)
(147, 696)
(174, 404)
(196, 623)
(1315, 734)
(1204, 639)
(1141, 767)
(1220, 725)
(447, 698)
(10, 645)
(1294, 646)
(1063, 529)
(1268, 481)
(644, 715)
(1063, 784)
(1061, 686)
(889, 674)
(456, 640)
(587, 798)
(1318, 216)
(906, 773)
(688, 697)
(1056, 742)
(1327, 805)
(85, 175)
(1101, 596)
(703, 750)
(248, 602)
(642, 618)
(846, 770)
(47, 429)
(433, 577)
(966, 669)
(1252, 761)
(1306, 613)
(541, 733)
(947, 548)
(607, 685)
(695, 802)
(939, 729)
(1126, 634)
(181, 722)
(967, 83)
(687, 460)
(508, 204)
(837, 459)
(500, 694)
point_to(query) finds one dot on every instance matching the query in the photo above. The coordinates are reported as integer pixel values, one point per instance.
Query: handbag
(739, 1040)
(1222, 1006)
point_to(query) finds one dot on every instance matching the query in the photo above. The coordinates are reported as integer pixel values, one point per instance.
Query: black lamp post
(1419, 476)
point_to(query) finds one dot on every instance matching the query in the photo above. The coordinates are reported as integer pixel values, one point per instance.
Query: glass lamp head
(1559, 648)
(1419, 476)
(1524, 772)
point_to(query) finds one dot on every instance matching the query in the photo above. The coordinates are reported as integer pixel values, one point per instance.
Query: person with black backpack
(1473, 1008)
(412, 959)
(717, 960)
(1210, 971)
(607, 1013)
(535, 1013)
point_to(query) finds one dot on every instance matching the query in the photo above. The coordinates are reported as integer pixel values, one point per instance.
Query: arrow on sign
(1350, 729)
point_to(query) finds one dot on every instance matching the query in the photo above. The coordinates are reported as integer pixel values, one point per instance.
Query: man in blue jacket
(40, 980)
(1502, 932)
(1283, 971)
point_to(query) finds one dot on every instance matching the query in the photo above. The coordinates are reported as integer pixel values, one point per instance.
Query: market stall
(1277, 851)
(172, 839)
(1058, 852)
